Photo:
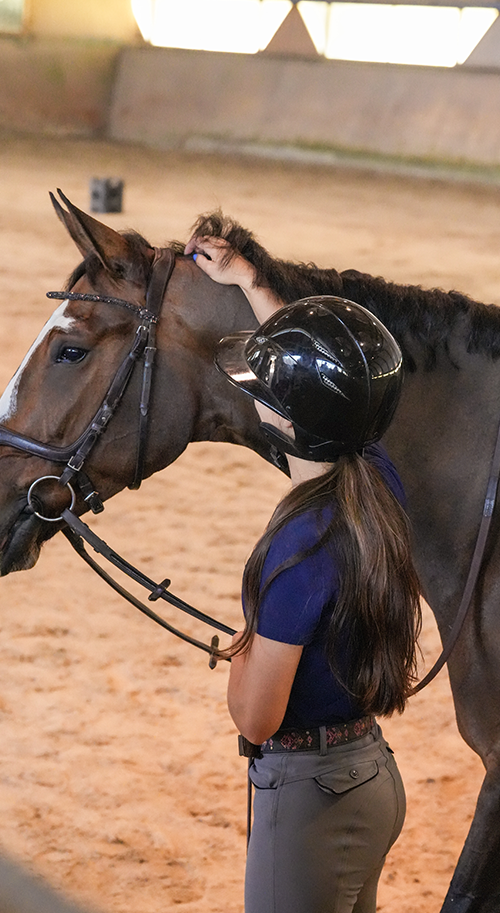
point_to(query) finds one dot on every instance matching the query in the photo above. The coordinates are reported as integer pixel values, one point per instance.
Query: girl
(331, 600)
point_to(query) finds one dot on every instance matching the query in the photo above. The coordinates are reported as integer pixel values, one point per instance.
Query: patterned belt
(310, 739)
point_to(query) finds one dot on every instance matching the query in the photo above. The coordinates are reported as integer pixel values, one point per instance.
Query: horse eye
(71, 355)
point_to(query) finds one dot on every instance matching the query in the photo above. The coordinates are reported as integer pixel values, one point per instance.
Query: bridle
(76, 454)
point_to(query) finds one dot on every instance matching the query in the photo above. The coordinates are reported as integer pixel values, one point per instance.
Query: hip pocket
(342, 779)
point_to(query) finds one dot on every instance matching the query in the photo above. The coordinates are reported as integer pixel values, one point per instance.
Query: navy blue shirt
(297, 606)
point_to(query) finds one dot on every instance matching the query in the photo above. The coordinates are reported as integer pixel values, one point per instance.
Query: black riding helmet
(327, 365)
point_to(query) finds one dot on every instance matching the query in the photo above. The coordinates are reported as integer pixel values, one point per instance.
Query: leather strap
(163, 265)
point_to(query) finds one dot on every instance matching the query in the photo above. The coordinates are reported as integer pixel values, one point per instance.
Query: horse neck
(196, 314)
(444, 432)
(442, 440)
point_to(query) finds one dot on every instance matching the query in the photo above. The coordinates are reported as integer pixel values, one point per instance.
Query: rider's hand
(221, 262)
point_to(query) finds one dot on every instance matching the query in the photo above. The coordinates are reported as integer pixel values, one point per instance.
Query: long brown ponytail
(377, 615)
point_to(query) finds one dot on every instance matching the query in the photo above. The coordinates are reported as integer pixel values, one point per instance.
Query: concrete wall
(201, 100)
(55, 86)
(188, 98)
(57, 76)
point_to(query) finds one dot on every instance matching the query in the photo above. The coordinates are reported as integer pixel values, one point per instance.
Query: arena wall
(279, 105)
(56, 86)
(201, 100)
(57, 75)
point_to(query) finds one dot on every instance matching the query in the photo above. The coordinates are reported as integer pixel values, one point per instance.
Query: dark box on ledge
(106, 195)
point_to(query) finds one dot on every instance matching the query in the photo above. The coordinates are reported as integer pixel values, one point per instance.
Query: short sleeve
(293, 604)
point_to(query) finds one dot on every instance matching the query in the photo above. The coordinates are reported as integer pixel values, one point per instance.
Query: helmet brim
(230, 360)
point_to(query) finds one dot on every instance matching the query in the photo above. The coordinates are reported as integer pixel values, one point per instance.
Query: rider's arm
(260, 682)
(211, 257)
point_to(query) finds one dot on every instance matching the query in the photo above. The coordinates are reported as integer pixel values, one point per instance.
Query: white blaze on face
(8, 401)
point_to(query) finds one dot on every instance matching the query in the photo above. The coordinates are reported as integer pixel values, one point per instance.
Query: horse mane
(427, 316)
(135, 268)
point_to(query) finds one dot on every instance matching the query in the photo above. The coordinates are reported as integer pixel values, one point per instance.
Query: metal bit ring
(36, 512)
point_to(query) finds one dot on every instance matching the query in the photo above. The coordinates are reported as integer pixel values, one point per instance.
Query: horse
(441, 438)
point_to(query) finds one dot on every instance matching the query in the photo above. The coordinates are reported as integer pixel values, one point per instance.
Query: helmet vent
(320, 348)
(329, 383)
(327, 353)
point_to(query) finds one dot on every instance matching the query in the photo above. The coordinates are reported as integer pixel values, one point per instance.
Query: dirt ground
(119, 775)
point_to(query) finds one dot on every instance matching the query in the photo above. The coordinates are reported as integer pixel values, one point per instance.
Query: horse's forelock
(217, 225)
(290, 281)
(426, 315)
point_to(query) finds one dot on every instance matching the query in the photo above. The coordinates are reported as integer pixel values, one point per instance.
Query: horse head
(94, 336)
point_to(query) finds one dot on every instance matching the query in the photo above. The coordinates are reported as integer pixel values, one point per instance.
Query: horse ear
(89, 235)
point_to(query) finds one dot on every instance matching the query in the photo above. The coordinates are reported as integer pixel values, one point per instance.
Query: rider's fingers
(206, 245)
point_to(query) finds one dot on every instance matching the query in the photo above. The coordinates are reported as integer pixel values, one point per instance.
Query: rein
(474, 569)
(78, 531)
